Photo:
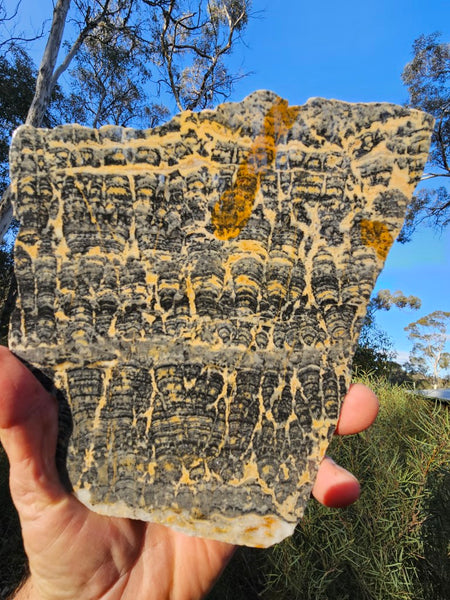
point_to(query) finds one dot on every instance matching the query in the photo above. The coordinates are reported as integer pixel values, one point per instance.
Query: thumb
(28, 433)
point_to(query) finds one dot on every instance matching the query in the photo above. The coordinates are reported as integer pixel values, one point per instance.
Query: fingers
(335, 486)
(28, 433)
(359, 410)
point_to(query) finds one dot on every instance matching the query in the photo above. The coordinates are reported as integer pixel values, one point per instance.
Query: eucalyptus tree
(429, 335)
(427, 77)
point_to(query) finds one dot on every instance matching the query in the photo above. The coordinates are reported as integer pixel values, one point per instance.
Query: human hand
(75, 553)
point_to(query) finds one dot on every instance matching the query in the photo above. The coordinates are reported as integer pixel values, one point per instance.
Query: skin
(77, 554)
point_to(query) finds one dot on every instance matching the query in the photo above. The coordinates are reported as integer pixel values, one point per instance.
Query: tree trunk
(6, 213)
(44, 87)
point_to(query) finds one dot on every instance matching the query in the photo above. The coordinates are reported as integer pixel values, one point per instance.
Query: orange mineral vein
(231, 213)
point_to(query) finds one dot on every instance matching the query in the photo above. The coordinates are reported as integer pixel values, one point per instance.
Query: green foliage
(385, 300)
(427, 77)
(17, 82)
(194, 40)
(428, 206)
(390, 545)
(132, 61)
(17, 79)
(374, 353)
(107, 79)
(380, 364)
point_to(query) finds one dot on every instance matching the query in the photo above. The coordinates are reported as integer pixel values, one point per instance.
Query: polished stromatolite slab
(196, 292)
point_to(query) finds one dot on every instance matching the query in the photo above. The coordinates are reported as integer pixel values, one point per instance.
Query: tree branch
(168, 54)
(12, 40)
(433, 175)
(442, 142)
(90, 25)
(219, 52)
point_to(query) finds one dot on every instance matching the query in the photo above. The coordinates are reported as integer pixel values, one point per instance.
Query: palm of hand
(92, 556)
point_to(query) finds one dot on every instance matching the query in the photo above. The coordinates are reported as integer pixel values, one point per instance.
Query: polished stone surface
(196, 292)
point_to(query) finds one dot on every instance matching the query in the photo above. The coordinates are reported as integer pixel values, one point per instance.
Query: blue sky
(350, 50)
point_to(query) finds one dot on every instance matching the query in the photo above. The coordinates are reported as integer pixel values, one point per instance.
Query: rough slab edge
(264, 95)
(242, 530)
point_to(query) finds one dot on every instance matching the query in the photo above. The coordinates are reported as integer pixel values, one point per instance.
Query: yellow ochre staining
(376, 235)
(231, 213)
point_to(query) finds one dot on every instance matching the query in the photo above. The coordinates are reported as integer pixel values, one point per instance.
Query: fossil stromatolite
(196, 291)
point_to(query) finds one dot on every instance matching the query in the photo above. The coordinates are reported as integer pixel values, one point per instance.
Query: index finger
(359, 410)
